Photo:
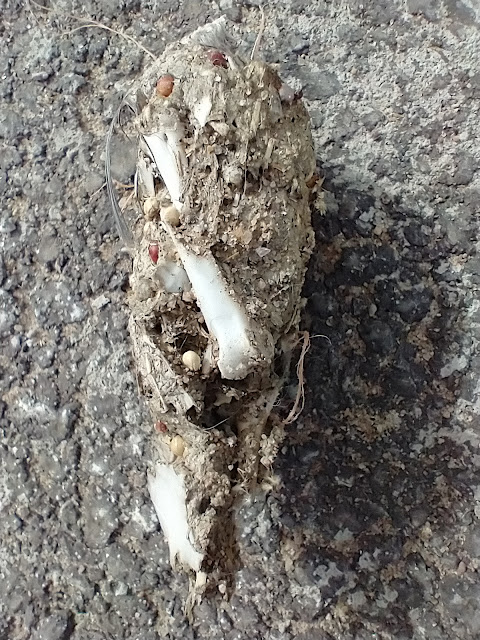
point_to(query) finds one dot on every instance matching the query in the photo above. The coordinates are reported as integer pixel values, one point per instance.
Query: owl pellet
(226, 149)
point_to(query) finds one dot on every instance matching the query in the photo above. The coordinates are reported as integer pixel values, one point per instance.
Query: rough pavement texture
(373, 530)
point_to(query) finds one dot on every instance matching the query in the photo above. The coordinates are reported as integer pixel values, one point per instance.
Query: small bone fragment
(167, 491)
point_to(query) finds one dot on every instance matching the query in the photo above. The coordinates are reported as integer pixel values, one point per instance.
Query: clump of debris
(220, 246)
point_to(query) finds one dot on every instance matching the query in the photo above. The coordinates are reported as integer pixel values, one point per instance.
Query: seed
(177, 446)
(191, 360)
(160, 426)
(153, 253)
(170, 215)
(217, 58)
(165, 85)
(151, 207)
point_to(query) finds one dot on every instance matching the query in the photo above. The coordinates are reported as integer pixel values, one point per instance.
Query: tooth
(169, 156)
(202, 109)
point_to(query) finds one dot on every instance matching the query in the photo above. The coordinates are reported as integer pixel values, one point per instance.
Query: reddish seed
(165, 85)
(217, 59)
(161, 427)
(153, 253)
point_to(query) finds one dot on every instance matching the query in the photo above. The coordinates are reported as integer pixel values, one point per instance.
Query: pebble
(54, 627)
(8, 313)
(100, 520)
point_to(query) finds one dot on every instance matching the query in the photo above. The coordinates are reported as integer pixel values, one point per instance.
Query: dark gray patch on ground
(374, 529)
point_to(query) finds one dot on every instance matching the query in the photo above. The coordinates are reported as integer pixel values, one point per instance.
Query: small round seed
(151, 207)
(170, 215)
(160, 426)
(192, 360)
(165, 85)
(177, 446)
(153, 253)
(217, 58)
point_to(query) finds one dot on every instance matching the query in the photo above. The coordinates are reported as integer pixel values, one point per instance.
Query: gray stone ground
(373, 531)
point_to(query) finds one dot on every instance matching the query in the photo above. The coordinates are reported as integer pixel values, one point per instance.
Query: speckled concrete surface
(373, 530)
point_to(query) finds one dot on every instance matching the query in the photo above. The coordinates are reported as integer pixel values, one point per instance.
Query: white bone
(224, 317)
(167, 491)
(169, 156)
